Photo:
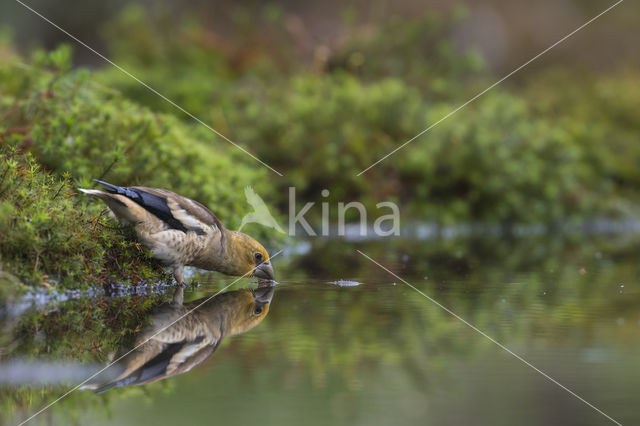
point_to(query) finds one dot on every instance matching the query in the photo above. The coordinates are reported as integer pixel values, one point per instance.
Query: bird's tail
(120, 190)
(109, 386)
(95, 192)
(106, 380)
(117, 199)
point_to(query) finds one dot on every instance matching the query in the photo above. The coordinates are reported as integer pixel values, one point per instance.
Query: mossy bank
(58, 130)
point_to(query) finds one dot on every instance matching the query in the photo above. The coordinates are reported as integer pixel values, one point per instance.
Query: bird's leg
(178, 295)
(178, 274)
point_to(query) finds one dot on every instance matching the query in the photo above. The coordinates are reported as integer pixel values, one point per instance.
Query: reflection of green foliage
(521, 292)
(517, 291)
(86, 330)
(64, 334)
(46, 231)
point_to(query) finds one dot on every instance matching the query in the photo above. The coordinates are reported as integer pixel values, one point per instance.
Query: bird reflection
(190, 340)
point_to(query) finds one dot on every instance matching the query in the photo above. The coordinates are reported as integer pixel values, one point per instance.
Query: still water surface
(328, 351)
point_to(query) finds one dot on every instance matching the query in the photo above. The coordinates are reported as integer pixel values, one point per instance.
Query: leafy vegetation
(553, 148)
(534, 294)
(86, 330)
(73, 125)
(50, 236)
(59, 129)
(534, 152)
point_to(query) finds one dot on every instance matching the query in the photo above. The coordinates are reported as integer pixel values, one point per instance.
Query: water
(374, 353)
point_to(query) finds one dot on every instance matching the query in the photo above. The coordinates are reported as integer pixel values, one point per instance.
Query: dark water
(374, 353)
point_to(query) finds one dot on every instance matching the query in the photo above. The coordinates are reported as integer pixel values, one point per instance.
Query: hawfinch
(181, 337)
(180, 231)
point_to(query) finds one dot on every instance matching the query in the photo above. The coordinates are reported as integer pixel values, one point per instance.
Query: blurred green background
(320, 92)
(519, 212)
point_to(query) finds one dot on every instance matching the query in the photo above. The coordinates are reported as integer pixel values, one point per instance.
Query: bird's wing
(176, 358)
(167, 351)
(178, 212)
(190, 356)
(189, 213)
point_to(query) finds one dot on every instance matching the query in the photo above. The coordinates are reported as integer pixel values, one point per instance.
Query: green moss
(557, 147)
(50, 234)
(73, 125)
(88, 330)
(113, 323)
(63, 130)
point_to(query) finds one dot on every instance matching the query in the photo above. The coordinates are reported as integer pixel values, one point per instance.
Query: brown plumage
(190, 340)
(180, 231)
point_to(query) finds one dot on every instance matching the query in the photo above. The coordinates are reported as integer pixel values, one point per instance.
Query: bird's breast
(173, 246)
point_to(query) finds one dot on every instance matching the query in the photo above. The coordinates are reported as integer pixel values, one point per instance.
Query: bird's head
(248, 257)
(247, 308)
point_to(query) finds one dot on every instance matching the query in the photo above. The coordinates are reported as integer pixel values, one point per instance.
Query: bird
(180, 337)
(260, 213)
(180, 231)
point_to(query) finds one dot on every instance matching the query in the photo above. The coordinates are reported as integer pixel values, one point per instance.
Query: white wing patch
(190, 222)
(187, 351)
(90, 191)
(187, 220)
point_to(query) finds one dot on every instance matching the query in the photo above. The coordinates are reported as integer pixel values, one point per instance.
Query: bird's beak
(264, 271)
(263, 294)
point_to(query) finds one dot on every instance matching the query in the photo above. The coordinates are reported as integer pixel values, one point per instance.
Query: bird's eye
(257, 310)
(258, 256)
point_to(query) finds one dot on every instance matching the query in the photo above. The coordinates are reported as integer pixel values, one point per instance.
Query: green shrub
(600, 110)
(503, 163)
(60, 129)
(500, 160)
(420, 53)
(564, 149)
(537, 157)
(188, 63)
(73, 125)
(201, 69)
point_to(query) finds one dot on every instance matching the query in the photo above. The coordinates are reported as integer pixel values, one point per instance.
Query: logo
(384, 225)
(260, 214)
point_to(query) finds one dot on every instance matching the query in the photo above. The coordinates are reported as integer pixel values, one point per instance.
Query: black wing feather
(153, 368)
(154, 204)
